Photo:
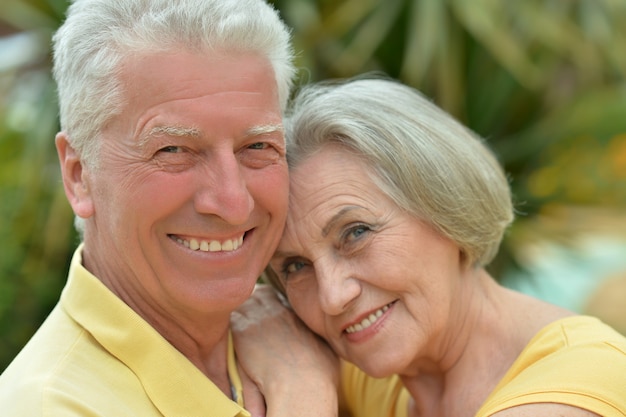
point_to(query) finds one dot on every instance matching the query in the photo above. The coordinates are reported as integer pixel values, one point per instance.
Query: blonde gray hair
(428, 163)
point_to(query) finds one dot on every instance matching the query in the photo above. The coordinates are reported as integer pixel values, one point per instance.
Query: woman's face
(377, 283)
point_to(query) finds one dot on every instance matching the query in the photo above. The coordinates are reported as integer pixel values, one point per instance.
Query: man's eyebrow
(192, 132)
(177, 131)
(264, 129)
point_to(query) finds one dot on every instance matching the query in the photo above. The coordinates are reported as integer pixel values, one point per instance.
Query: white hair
(98, 35)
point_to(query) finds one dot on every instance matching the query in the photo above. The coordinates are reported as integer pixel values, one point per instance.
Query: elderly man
(173, 160)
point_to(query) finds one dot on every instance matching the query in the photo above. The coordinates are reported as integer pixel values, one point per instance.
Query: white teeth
(368, 321)
(228, 245)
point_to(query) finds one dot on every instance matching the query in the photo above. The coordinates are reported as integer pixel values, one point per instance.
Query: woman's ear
(75, 178)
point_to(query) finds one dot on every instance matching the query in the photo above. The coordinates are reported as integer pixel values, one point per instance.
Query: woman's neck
(488, 332)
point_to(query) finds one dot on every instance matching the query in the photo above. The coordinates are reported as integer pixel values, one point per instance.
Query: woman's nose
(337, 286)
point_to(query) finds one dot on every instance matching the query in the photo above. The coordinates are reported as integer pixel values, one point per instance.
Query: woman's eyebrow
(337, 217)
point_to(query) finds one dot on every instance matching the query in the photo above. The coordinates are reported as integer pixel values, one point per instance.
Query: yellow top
(366, 396)
(577, 361)
(94, 356)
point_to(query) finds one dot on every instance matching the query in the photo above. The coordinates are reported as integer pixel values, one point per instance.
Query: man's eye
(171, 149)
(258, 145)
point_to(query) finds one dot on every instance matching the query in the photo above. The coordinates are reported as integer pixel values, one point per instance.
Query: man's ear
(75, 178)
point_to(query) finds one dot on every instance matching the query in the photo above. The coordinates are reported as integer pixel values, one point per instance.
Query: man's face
(190, 196)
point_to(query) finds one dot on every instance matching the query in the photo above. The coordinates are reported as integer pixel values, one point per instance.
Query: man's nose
(224, 192)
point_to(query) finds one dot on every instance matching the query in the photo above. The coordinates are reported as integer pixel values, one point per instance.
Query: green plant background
(542, 80)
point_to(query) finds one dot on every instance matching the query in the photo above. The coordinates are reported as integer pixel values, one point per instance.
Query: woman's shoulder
(577, 361)
(577, 331)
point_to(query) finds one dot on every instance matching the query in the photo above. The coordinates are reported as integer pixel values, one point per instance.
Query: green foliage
(35, 218)
(542, 80)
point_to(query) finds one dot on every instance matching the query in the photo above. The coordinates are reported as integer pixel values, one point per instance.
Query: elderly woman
(395, 210)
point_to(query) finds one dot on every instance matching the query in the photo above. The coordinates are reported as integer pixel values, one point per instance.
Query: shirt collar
(173, 383)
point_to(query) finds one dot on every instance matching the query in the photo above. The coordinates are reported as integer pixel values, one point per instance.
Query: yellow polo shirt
(94, 356)
(366, 396)
(577, 361)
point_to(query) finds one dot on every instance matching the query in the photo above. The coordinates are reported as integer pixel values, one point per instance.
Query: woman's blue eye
(357, 231)
(292, 267)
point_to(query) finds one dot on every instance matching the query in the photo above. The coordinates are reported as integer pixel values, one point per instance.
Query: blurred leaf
(35, 218)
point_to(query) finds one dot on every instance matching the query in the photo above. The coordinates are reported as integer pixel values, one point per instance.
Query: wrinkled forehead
(325, 187)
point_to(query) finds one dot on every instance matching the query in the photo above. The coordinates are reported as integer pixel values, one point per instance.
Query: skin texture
(349, 253)
(305, 362)
(196, 153)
